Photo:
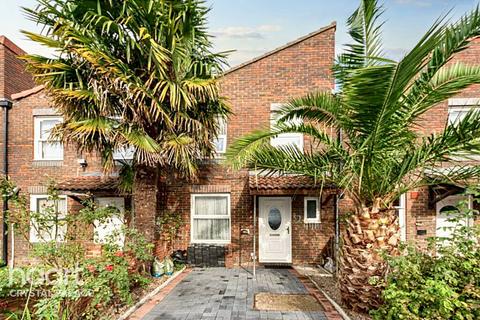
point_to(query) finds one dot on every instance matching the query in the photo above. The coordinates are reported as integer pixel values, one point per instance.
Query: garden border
(331, 309)
(150, 296)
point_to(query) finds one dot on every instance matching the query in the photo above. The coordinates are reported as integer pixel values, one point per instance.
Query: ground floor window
(48, 218)
(312, 210)
(210, 218)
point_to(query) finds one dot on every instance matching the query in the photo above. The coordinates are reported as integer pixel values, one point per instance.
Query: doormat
(265, 301)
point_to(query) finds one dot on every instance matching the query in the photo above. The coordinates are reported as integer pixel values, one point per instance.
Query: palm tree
(382, 154)
(132, 74)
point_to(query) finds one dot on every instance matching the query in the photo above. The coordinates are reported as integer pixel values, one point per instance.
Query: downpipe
(6, 105)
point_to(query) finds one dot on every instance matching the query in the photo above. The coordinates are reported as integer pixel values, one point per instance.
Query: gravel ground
(328, 285)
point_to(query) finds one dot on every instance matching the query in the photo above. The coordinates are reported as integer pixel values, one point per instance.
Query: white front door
(275, 229)
(110, 228)
(447, 210)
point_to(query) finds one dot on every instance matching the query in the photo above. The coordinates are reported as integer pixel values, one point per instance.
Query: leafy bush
(442, 282)
(65, 282)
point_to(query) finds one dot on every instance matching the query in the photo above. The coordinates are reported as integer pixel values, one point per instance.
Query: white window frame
(33, 238)
(293, 136)
(193, 217)
(402, 216)
(37, 150)
(222, 136)
(125, 153)
(463, 104)
(452, 109)
(305, 216)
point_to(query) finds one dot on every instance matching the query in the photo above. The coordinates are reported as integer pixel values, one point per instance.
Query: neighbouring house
(229, 216)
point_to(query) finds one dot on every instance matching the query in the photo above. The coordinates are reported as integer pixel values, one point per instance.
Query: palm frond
(149, 62)
(366, 49)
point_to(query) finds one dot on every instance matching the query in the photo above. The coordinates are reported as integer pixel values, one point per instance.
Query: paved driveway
(227, 294)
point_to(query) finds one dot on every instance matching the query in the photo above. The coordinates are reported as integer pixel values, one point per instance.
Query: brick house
(228, 214)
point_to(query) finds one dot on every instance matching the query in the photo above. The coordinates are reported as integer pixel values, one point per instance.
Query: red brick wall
(29, 174)
(13, 77)
(419, 215)
(251, 89)
(308, 240)
(293, 71)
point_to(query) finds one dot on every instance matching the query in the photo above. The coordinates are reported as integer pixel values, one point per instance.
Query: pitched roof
(89, 183)
(287, 182)
(11, 46)
(292, 43)
(26, 93)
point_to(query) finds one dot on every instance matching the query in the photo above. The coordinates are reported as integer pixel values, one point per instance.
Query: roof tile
(287, 182)
(89, 183)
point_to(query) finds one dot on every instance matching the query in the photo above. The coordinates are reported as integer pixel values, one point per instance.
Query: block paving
(228, 294)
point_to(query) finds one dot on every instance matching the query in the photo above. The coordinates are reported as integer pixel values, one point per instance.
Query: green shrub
(442, 282)
(66, 283)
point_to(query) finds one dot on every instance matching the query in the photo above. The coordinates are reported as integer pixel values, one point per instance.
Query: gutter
(6, 105)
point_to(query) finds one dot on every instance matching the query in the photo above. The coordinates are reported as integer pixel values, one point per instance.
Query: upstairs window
(284, 139)
(457, 114)
(220, 141)
(125, 153)
(46, 148)
(458, 108)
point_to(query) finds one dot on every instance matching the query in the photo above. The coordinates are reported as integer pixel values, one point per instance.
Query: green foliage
(135, 74)
(441, 284)
(377, 112)
(168, 225)
(65, 282)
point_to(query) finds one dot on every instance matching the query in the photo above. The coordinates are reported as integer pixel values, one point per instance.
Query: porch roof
(89, 183)
(281, 184)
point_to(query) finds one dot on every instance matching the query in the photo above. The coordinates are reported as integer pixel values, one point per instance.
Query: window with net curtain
(210, 218)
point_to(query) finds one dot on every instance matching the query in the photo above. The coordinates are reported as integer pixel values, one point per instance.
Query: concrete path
(227, 294)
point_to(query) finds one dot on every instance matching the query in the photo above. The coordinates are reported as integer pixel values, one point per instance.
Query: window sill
(312, 221)
(216, 243)
(47, 163)
(119, 162)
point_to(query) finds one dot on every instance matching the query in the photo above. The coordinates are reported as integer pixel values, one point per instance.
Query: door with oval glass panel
(275, 229)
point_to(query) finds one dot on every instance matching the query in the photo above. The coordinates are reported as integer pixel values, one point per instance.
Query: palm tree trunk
(368, 234)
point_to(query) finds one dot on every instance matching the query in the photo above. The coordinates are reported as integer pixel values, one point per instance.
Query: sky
(253, 27)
